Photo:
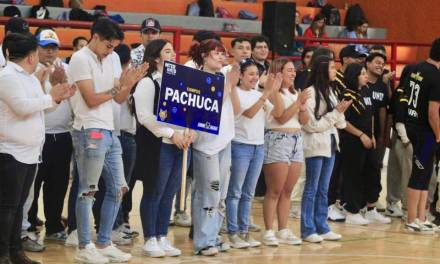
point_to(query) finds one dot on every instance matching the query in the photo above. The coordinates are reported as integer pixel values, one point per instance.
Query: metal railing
(179, 31)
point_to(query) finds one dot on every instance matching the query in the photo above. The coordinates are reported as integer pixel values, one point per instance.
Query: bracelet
(114, 91)
(361, 135)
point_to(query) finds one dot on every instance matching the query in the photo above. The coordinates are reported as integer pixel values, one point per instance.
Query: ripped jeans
(98, 151)
(210, 187)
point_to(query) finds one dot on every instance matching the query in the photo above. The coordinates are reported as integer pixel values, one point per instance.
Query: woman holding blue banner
(160, 154)
(283, 155)
(248, 149)
(212, 155)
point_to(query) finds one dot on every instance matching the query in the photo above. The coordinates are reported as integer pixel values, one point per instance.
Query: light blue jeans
(211, 180)
(314, 205)
(247, 161)
(98, 151)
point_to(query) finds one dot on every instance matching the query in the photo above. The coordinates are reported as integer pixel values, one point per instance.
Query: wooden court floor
(373, 244)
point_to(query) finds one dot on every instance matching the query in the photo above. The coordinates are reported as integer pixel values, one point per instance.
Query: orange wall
(405, 20)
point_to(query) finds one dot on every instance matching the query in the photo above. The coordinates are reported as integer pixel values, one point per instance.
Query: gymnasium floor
(373, 244)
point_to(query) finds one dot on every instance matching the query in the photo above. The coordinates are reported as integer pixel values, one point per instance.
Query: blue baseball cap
(48, 37)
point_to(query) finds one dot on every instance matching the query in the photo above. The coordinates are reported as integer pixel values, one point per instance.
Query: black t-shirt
(301, 79)
(423, 85)
(339, 84)
(361, 111)
(380, 100)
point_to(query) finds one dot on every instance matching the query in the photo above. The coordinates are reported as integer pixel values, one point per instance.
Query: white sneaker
(269, 239)
(237, 242)
(152, 249)
(428, 224)
(375, 217)
(415, 227)
(209, 251)
(90, 255)
(295, 211)
(313, 238)
(72, 239)
(114, 254)
(182, 219)
(393, 210)
(335, 214)
(356, 219)
(166, 246)
(248, 238)
(331, 236)
(121, 239)
(286, 236)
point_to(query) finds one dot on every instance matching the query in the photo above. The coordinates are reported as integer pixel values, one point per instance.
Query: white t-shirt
(59, 120)
(191, 64)
(212, 144)
(288, 99)
(115, 106)
(251, 130)
(85, 65)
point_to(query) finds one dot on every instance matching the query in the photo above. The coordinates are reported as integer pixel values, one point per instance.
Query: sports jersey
(339, 84)
(360, 112)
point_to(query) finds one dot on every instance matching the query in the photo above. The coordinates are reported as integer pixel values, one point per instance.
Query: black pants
(335, 186)
(15, 182)
(54, 172)
(361, 174)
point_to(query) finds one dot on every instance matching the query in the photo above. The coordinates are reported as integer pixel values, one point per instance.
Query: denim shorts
(283, 147)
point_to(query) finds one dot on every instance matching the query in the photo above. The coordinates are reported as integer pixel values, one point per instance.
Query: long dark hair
(152, 53)
(351, 75)
(319, 79)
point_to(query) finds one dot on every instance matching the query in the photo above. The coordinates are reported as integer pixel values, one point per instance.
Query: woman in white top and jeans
(283, 155)
(321, 141)
(248, 150)
(212, 155)
(163, 180)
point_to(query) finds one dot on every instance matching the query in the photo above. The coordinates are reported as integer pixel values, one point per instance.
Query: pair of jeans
(128, 145)
(16, 179)
(314, 205)
(247, 162)
(98, 152)
(54, 172)
(210, 183)
(156, 205)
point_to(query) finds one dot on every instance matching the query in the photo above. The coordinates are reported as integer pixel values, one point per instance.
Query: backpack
(11, 11)
(206, 8)
(222, 12)
(317, 3)
(77, 14)
(332, 15)
(193, 9)
(54, 3)
(39, 12)
(246, 14)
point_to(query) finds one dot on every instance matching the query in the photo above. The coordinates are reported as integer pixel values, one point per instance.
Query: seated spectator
(360, 32)
(316, 30)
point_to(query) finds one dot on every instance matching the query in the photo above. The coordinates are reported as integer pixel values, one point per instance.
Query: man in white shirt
(57, 151)
(14, 25)
(241, 50)
(22, 125)
(150, 30)
(97, 148)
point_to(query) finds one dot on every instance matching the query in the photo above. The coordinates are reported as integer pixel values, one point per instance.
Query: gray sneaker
(56, 237)
(30, 245)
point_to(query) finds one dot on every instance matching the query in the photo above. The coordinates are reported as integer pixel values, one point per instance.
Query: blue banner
(190, 98)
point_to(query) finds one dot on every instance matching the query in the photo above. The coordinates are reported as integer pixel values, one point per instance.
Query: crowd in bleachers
(305, 128)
